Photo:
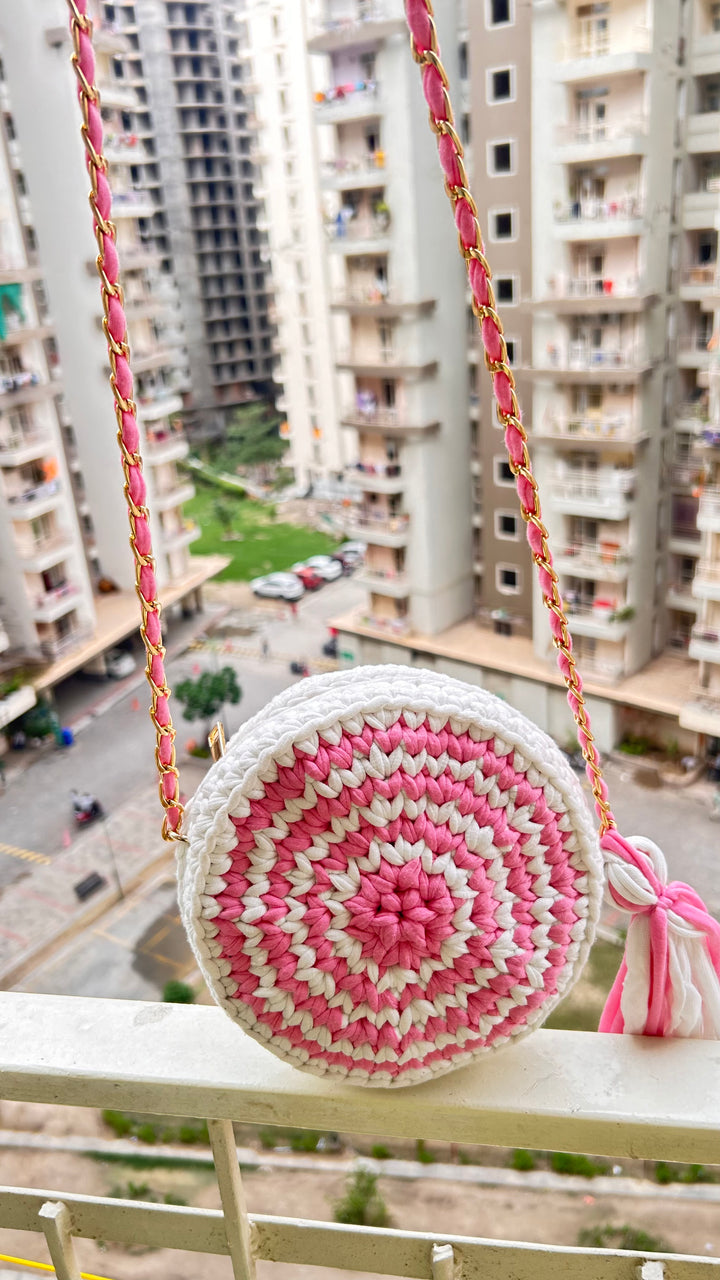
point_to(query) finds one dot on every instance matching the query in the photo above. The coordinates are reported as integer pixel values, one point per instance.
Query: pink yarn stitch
(460, 938)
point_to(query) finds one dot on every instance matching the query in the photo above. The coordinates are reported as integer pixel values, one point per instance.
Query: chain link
(444, 127)
(104, 228)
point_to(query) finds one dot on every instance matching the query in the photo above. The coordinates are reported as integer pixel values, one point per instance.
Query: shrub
(665, 1173)
(422, 1154)
(267, 1139)
(634, 746)
(303, 1140)
(118, 1122)
(522, 1160)
(380, 1152)
(626, 1237)
(580, 1166)
(175, 992)
(146, 1133)
(362, 1205)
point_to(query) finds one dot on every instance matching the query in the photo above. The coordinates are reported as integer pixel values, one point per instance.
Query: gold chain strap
(115, 329)
(423, 32)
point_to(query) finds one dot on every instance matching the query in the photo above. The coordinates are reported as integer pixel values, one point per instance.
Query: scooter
(86, 809)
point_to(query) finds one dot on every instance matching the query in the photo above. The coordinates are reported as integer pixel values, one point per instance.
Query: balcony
(704, 643)
(679, 596)
(172, 495)
(373, 23)
(706, 583)
(608, 497)
(708, 442)
(165, 446)
(25, 388)
(603, 430)
(45, 552)
(705, 53)
(154, 1059)
(600, 54)
(174, 539)
(53, 604)
(392, 422)
(351, 173)
(163, 404)
(54, 647)
(364, 236)
(580, 363)
(23, 446)
(383, 582)
(691, 415)
(703, 132)
(15, 704)
(370, 301)
(701, 283)
(599, 219)
(384, 361)
(348, 102)
(145, 360)
(700, 209)
(383, 531)
(709, 510)
(377, 477)
(693, 352)
(36, 501)
(605, 562)
(133, 204)
(600, 620)
(583, 144)
(590, 295)
(121, 96)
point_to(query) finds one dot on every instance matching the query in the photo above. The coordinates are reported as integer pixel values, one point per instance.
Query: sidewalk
(41, 910)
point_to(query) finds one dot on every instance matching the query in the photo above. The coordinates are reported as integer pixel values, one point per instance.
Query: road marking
(25, 855)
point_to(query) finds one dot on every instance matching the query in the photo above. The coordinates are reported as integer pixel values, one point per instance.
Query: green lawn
(581, 1009)
(266, 545)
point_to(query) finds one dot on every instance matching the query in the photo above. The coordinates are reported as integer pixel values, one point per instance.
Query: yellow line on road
(26, 855)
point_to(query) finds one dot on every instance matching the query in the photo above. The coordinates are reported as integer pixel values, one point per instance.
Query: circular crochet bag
(389, 873)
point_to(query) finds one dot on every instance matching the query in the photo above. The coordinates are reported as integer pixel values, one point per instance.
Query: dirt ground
(417, 1206)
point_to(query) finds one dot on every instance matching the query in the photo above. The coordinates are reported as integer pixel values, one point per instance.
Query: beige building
(596, 157)
(62, 510)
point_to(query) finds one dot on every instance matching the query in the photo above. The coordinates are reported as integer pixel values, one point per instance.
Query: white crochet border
(298, 716)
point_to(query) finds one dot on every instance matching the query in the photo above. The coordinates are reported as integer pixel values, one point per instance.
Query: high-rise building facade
(397, 288)
(64, 519)
(187, 63)
(279, 79)
(596, 158)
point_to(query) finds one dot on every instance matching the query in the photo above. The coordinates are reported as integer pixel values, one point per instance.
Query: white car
(325, 566)
(119, 663)
(278, 586)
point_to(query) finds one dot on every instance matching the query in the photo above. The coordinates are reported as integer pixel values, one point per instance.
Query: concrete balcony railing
(614, 1096)
(700, 280)
(347, 171)
(359, 234)
(162, 403)
(621, 429)
(44, 552)
(54, 603)
(622, 137)
(600, 619)
(628, 288)
(384, 530)
(23, 446)
(54, 647)
(133, 204)
(693, 351)
(705, 643)
(35, 496)
(606, 213)
(706, 583)
(377, 477)
(709, 510)
(348, 102)
(372, 20)
(606, 44)
(385, 582)
(602, 497)
(609, 562)
(381, 421)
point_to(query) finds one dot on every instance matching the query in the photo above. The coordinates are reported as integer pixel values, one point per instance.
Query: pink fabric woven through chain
(448, 936)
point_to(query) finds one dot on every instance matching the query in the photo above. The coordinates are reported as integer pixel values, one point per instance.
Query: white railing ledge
(557, 1090)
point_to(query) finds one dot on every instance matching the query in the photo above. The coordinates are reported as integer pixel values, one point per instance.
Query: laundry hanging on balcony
(11, 299)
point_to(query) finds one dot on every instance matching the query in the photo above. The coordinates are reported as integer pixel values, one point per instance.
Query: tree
(201, 699)
(223, 513)
(252, 439)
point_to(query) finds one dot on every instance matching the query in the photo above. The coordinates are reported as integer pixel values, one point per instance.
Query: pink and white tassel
(669, 981)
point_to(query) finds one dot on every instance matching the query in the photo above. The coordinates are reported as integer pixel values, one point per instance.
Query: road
(113, 754)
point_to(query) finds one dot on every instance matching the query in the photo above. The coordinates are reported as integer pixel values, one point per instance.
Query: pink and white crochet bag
(390, 873)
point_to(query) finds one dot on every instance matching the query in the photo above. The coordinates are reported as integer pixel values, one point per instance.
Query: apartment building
(287, 188)
(400, 342)
(67, 577)
(596, 155)
(187, 62)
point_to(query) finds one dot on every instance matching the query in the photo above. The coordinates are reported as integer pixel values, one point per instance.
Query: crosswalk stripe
(25, 855)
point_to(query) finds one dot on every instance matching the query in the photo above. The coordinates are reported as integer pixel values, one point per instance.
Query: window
(507, 525)
(502, 473)
(465, 128)
(512, 346)
(463, 59)
(501, 157)
(508, 579)
(499, 13)
(502, 224)
(500, 84)
(506, 290)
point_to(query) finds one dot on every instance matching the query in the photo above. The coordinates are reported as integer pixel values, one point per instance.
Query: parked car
(119, 663)
(310, 579)
(330, 647)
(350, 554)
(278, 586)
(326, 566)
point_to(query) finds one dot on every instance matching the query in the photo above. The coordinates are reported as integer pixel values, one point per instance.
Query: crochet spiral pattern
(401, 880)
